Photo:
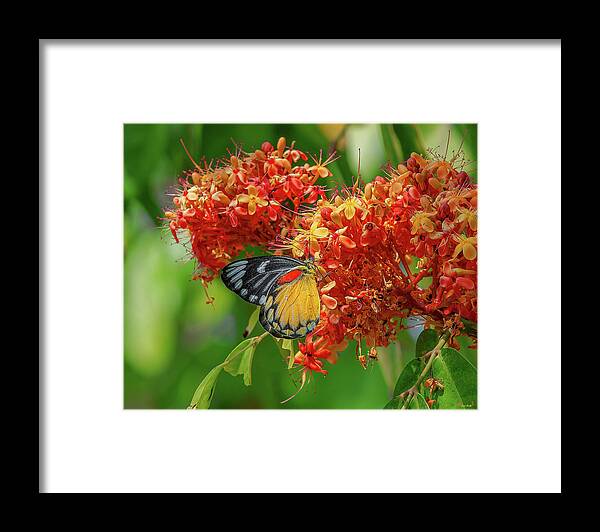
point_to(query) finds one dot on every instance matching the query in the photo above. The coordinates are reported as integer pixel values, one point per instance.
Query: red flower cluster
(404, 244)
(240, 202)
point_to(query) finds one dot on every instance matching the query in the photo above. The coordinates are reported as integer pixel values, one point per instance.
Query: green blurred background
(173, 338)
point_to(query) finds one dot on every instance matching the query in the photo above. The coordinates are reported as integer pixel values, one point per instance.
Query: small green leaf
(206, 389)
(459, 378)
(282, 352)
(418, 403)
(426, 341)
(233, 364)
(408, 377)
(252, 322)
(288, 345)
(239, 361)
(242, 364)
(240, 348)
(394, 404)
(286, 348)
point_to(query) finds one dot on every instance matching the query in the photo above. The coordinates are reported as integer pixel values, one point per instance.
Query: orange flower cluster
(241, 202)
(399, 246)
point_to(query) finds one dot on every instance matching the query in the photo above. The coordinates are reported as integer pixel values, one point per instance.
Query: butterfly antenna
(326, 276)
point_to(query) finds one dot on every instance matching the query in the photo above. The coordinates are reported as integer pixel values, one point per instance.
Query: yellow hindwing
(292, 310)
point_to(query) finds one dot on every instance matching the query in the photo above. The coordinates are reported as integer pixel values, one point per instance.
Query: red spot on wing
(289, 276)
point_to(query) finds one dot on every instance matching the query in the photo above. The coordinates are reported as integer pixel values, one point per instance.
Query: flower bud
(336, 218)
(285, 163)
(347, 242)
(329, 301)
(281, 146)
(329, 286)
(435, 183)
(465, 282)
(221, 197)
(414, 193)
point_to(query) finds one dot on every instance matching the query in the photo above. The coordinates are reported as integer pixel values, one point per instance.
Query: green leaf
(418, 403)
(286, 348)
(252, 322)
(408, 377)
(206, 389)
(410, 139)
(426, 341)
(459, 378)
(240, 348)
(239, 361)
(282, 352)
(394, 404)
(288, 345)
(241, 364)
(234, 364)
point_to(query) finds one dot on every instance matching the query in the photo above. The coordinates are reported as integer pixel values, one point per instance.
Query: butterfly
(284, 287)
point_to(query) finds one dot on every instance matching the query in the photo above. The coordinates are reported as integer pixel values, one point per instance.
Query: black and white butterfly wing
(253, 278)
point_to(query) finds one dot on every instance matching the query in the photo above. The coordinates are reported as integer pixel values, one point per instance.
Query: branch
(433, 354)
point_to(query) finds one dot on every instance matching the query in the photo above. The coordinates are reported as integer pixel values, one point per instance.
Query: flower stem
(433, 354)
(408, 272)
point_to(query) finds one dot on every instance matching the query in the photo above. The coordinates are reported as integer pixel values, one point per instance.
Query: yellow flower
(466, 246)
(467, 216)
(421, 221)
(320, 170)
(349, 207)
(252, 199)
(311, 236)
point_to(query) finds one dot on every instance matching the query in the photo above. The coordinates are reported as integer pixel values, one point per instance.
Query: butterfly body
(285, 288)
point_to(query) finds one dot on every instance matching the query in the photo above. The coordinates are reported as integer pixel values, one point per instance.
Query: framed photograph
(256, 265)
(348, 252)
